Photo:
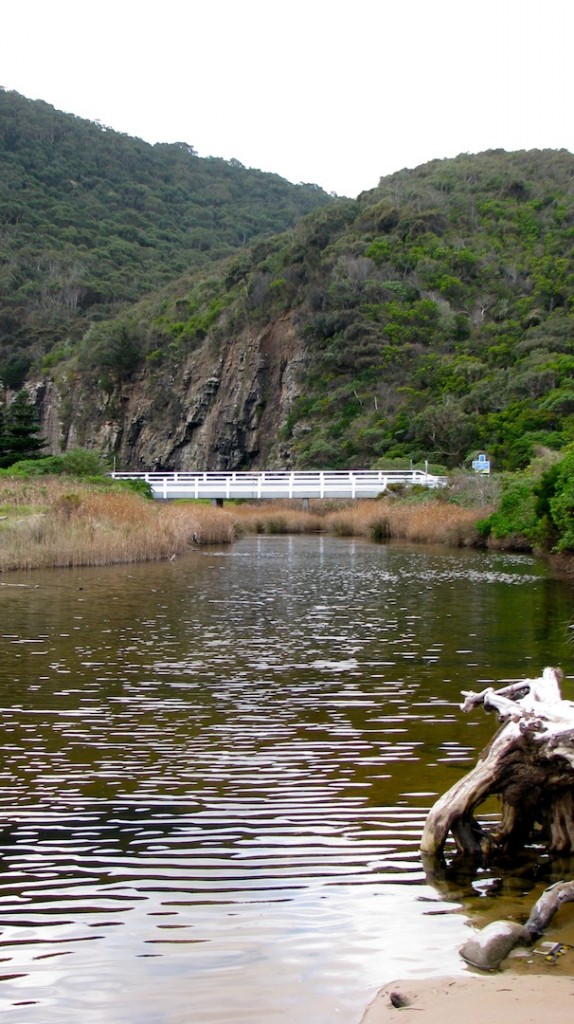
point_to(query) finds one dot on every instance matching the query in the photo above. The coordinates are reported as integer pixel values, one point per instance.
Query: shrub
(140, 487)
(515, 519)
(77, 462)
(556, 502)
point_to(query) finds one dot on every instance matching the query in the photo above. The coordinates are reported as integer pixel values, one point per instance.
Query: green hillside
(91, 220)
(436, 313)
(433, 316)
(445, 321)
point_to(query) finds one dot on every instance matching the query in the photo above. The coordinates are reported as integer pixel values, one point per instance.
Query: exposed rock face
(222, 409)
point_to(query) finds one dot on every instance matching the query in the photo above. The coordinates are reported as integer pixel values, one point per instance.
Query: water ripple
(215, 774)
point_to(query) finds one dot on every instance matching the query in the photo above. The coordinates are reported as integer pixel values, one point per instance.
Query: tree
(19, 433)
(445, 431)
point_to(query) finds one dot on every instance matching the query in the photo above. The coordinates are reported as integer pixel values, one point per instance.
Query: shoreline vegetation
(60, 521)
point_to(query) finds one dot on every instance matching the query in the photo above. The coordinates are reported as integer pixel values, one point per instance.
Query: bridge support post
(305, 504)
(217, 502)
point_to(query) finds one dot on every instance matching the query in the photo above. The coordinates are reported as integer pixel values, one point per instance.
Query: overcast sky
(336, 92)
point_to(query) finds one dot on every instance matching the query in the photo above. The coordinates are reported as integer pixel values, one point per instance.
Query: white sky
(336, 92)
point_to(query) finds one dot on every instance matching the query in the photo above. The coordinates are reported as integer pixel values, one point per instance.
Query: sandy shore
(512, 998)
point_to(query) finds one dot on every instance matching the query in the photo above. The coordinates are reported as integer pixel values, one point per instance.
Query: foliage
(536, 510)
(78, 462)
(555, 505)
(91, 220)
(19, 430)
(140, 487)
(515, 519)
(436, 311)
(437, 316)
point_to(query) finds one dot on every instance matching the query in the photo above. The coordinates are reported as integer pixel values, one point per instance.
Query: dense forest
(434, 314)
(438, 314)
(91, 220)
(435, 311)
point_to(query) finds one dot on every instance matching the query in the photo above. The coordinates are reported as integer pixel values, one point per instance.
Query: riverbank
(427, 521)
(515, 999)
(52, 522)
(61, 521)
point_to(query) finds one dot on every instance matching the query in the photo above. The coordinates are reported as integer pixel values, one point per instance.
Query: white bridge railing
(269, 484)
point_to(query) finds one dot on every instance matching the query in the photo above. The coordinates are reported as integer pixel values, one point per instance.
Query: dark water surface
(215, 773)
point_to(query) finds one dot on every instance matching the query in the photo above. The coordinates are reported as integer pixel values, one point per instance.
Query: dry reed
(275, 517)
(429, 522)
(53, 523)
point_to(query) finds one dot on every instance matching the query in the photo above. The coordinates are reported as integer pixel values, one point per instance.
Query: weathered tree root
(529, 764)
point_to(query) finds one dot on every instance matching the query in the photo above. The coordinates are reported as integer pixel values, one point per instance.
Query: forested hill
(91, 219)
(431, 317)
(439, 315)
(428, 319)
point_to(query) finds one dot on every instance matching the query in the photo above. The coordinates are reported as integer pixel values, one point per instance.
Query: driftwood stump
(529, 764)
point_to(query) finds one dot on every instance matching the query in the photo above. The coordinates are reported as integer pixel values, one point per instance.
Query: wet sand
(512, 998)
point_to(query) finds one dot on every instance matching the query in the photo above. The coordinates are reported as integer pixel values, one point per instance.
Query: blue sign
(481, 464)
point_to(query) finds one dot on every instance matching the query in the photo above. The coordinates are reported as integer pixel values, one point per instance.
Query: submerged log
(529, 764)
(489, 947)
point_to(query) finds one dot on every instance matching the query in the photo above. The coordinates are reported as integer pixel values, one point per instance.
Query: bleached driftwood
(529, 764)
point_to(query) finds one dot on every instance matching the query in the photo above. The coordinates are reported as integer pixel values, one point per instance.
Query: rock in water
(489, 947)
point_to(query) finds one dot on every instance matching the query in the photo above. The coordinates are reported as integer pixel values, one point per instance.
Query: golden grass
(275, 517)
(56, 522)
(429, 522)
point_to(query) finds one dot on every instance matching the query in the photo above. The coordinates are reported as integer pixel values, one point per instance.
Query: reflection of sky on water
(215, 774)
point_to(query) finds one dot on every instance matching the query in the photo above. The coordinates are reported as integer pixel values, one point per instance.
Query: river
(215, 772)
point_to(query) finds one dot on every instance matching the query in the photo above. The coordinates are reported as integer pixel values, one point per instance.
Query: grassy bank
(59, 521)
(56, 521)
(430, 521)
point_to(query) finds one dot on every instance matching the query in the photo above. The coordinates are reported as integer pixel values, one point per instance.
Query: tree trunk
(529, 764)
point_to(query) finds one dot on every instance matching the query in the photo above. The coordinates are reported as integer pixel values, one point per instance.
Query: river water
(215, 773)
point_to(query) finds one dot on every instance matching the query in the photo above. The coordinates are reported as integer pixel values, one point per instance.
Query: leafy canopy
(91, 220)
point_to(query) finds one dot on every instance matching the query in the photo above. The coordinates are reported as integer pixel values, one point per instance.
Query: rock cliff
(221, 409)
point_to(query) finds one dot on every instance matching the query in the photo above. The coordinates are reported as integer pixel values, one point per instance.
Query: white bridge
(269, 484)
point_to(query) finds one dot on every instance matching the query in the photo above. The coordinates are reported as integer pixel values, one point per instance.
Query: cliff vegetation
(427, 320)
(91, 220)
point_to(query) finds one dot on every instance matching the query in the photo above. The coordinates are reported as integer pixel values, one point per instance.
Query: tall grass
(275, 517)
(57, 522)
(428, 522)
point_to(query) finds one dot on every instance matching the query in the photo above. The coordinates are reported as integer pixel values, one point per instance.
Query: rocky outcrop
(223, 408)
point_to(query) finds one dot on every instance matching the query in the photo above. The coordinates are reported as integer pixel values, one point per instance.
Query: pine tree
(19, 429)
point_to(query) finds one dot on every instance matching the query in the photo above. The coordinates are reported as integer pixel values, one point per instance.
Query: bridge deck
(270, 484)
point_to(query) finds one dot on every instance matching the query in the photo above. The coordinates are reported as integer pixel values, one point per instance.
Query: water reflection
(215, 773)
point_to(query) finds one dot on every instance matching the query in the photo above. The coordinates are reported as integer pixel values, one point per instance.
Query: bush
(77, 462)
(515, 519)
(555, 505)
(83, 463)
(140, 487)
